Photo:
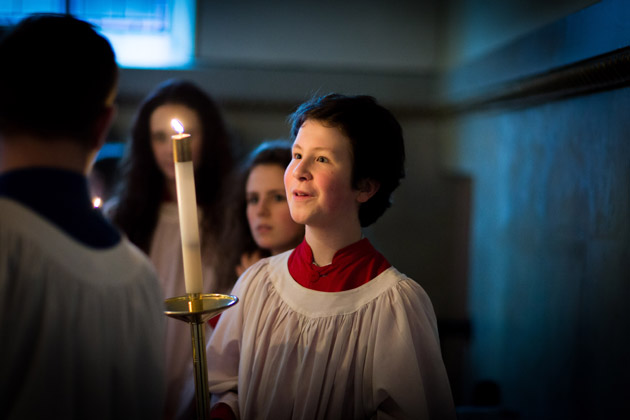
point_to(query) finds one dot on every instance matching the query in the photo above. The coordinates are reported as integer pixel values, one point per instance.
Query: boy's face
(318, 179)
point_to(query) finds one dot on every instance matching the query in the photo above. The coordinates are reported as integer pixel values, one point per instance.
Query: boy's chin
(300, 219)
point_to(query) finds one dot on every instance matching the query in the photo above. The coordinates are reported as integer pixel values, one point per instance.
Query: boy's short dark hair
(375, 136)
(56, 75)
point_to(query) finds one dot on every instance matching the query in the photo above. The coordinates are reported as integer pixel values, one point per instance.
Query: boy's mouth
(300, 194)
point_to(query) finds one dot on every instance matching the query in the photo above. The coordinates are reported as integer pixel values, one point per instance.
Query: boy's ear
(367, 188)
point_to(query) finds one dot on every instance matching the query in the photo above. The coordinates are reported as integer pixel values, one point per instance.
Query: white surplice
(81, 329)
(288, 352)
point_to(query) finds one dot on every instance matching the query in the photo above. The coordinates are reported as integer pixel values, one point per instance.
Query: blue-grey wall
(550, 252)
(549, 278)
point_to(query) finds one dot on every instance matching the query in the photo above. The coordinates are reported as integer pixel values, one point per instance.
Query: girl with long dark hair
(145, 206)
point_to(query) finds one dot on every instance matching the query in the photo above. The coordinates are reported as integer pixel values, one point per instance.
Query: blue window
(144, 33)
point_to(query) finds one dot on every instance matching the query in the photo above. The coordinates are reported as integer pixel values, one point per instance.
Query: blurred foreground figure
(81, 321)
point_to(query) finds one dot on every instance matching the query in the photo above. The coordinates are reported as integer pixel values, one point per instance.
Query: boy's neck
(325, 243)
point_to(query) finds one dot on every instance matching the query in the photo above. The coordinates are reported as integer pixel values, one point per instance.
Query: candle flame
(177, 126)
(96, 202)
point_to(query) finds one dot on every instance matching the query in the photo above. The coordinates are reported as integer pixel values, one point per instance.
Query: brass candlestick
(197, 309)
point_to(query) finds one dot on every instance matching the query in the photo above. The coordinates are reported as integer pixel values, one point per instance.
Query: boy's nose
(301, 171)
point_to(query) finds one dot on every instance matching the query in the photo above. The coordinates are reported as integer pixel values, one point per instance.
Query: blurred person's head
(147, 166)
(58, 80)
(267, 209)
(149, 154)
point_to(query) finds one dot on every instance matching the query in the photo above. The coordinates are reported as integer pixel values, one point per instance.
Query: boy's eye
(279, 198)
(322, 159)
(297, 156)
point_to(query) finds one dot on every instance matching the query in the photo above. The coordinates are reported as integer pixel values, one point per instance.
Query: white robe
(81, 329)
(295, 353)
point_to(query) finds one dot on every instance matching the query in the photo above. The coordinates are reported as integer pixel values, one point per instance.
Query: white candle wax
(188, 220)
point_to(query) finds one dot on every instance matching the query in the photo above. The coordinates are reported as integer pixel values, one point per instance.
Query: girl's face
(161, 132)
(318, 179)
(267, 211)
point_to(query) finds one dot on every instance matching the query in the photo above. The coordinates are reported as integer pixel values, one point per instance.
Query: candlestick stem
(202, 395)
(196, 311)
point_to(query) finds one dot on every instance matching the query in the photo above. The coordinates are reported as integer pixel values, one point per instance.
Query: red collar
(351, 267)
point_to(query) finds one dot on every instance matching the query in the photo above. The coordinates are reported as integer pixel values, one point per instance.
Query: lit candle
(187, 204)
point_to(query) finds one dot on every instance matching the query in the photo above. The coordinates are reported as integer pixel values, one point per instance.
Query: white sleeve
(223, 350)
(410, 379)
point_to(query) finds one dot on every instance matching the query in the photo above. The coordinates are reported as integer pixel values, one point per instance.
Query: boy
(331, 330)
